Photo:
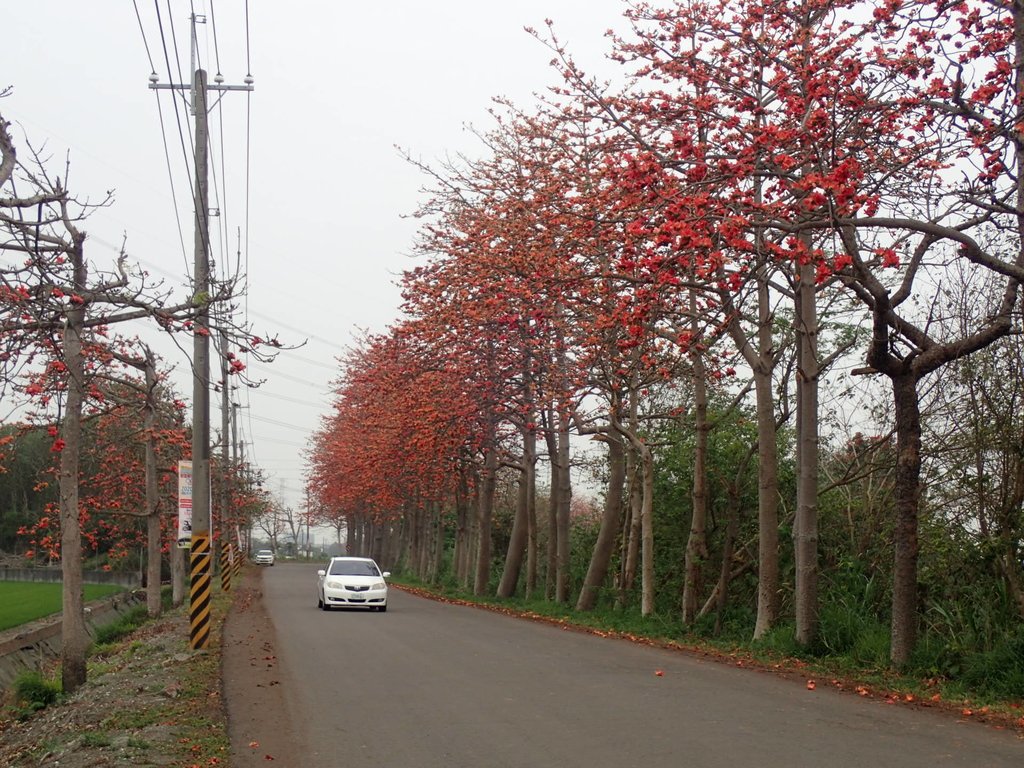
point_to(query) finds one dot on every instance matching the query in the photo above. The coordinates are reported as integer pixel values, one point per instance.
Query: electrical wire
(216, 47)
(145, 42)
(174, 100)
(297, 401)
(278, 423)
(248, 66)
(170, 176)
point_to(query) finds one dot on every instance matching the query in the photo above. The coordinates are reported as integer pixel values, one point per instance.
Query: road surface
(432, 685)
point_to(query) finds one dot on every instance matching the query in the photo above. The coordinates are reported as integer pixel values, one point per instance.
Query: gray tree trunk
(520, 525)
(908, 472)
(611, 523)
(153, 602)
(631, 536)
(485, 511)
(563, 507)
(697, 543)
(74, 634)
(805, 525)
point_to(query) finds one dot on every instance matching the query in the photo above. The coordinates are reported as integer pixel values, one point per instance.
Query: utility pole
(200, 559)
(226, 546)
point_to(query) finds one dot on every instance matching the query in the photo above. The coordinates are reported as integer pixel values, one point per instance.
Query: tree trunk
(461, 555)
(697, 543)
(563, 507)
(647, 531)
(485, 511)
(768, 597)
(532, 544)
(611, 521)
(631, 536)
(520, 525)
(74, 634)
(908, 478)
(153, 603)
(725, 573)
(551, 551)
(178, 574)
(440, 540)
(805, 526)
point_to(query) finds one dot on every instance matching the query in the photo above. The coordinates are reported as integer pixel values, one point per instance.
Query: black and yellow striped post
(225, 567)
(199, 595)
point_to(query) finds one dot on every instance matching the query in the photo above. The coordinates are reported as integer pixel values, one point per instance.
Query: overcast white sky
(337, 85)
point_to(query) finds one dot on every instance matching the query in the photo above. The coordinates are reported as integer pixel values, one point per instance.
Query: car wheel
(382, 608)
(319, 603)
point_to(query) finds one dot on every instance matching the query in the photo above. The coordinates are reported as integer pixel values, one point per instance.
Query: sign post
(184, 504)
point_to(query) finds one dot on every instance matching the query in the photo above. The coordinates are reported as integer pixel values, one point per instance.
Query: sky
(310, 187)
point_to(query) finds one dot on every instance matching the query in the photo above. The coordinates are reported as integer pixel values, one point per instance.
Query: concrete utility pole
(226, 544)
(200, 561)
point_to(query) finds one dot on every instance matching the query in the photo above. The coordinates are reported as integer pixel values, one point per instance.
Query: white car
(352, 582)
(264, 557)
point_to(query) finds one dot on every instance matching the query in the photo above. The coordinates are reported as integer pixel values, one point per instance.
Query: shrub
(33, 692)
(999, 672)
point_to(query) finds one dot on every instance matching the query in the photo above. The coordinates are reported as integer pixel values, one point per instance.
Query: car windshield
(353, 568)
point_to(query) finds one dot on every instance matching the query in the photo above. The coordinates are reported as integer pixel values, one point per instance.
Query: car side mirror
(386, 574)
(321, 574)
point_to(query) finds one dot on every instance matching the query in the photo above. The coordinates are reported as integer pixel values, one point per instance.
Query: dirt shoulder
(147, 702)
(258, 722)
(152, 701)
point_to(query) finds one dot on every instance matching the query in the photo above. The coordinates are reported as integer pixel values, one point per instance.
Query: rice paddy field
(24, 601)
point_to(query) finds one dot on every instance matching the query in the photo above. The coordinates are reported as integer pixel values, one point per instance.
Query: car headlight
(379, 585)
(333, 584)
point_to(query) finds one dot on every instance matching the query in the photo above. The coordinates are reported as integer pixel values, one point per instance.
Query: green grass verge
(24, 601)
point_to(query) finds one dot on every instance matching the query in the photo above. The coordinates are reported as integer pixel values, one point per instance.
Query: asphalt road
(431, 685)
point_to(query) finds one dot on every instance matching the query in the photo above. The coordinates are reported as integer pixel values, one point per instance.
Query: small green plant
(132, 719)
(999, 672)
(96, 739)
(33, 692)
(136, 743)
(123, 627)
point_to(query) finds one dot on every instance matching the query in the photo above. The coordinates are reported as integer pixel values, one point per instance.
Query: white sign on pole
(184, 504)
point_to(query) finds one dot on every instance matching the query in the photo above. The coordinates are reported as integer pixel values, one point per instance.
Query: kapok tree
(54, 308)
(872, 142)
(495, 291)
(390, 447)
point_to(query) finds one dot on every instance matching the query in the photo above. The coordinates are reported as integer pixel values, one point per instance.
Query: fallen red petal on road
(659, 673)
(811, 685)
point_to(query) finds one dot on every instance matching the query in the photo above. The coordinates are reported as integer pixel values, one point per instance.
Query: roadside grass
(184, 702)
(850, 656)
(24, 601)
(199, 710)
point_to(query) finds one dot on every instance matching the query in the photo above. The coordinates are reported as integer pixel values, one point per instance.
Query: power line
(248, 67)
(145, 42)
(216, 48)
(267, 366)
(174, 100)
(274, 441)
(279, 423)
(297, 401)
(170, 176)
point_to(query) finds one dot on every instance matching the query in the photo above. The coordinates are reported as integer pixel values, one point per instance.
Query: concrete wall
(33, 646)
(129, 580)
